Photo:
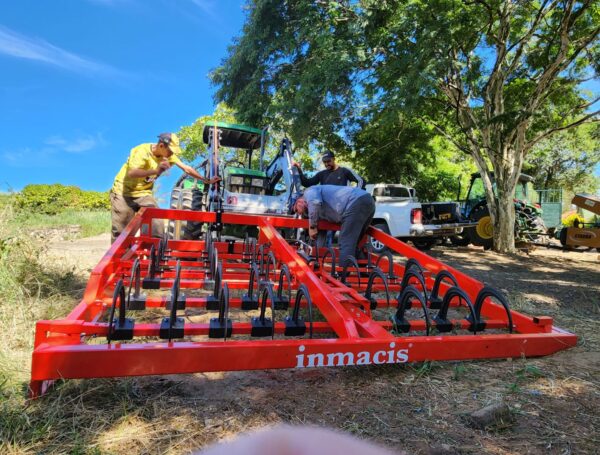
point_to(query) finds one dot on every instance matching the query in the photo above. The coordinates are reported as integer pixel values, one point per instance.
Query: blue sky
(83, 81)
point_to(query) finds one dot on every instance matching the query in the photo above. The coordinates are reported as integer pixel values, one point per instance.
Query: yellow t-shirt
(140, 157)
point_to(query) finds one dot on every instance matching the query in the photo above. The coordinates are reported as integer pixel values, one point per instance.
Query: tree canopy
(191, 135)
(567, 160)
(378, 80)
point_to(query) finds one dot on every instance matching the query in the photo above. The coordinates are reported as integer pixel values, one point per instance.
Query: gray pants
(124, 208)
(355, 222)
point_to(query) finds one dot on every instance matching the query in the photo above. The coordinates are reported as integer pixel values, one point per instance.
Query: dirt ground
(421, 408)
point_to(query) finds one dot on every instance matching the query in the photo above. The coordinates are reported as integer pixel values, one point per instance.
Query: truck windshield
(391, 191)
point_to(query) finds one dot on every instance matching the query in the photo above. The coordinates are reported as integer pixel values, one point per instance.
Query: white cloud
(207, 6)
(26, 157)
(16, 45)
(53, 152)
(78, 144)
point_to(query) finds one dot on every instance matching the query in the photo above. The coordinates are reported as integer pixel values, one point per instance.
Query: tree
(291, 69)
(567, 160)
(391, 147)
(191, 135)
(494, 77)
(194, 146)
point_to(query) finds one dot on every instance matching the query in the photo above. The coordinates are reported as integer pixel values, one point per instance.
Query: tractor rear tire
(539, 226)
(191, 199)
(174, 203)
(377, 246)
(483, 233)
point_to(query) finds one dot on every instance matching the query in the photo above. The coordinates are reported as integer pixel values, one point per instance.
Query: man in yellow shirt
(133, 185)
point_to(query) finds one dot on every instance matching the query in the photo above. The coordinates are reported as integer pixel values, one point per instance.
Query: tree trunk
(504, 222)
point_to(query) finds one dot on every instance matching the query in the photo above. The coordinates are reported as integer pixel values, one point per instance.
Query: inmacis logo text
(342, 359)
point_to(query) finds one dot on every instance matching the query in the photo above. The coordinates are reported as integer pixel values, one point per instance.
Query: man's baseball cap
(328, 155)
(171, 140)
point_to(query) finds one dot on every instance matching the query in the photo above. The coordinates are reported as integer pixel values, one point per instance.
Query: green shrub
(56, 198)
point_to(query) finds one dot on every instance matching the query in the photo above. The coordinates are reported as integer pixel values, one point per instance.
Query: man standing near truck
(133, 185)
(351, 207)
(333, 174)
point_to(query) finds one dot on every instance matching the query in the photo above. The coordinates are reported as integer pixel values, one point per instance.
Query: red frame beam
(62, 349)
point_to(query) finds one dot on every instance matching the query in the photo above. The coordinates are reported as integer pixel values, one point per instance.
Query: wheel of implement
(563, 236)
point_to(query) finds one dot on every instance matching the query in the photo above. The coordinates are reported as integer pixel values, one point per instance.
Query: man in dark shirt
(331, 175)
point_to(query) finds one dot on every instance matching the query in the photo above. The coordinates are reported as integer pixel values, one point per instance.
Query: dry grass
(554, 400)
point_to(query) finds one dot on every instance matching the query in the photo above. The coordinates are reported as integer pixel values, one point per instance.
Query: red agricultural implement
(220, 305)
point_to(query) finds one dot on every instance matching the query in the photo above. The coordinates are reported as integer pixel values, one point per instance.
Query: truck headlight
(258, 182)
(236, 180)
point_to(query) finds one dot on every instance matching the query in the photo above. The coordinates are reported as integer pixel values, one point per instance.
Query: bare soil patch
(420, 408)
(81, 254)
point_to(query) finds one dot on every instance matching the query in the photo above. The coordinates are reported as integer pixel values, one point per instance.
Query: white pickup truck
(399, 213)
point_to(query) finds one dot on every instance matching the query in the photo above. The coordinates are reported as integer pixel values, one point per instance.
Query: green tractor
(529, 223)
(247, 185)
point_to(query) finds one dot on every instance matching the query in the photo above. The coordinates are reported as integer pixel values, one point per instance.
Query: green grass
(30, 290)
(92, 222)
(5, 199)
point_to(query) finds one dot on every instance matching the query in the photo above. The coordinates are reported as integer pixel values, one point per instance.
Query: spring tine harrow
(261, 325)
(152, 281)
(435, 301)
(137, 300)
(477, 324)
(173, 326)
(329, 252)
(270, 262)
(242, 286)
(377, 273)
(441, 318)
(390, 260)
(282, 301)
(409, 294)
(294, 324)
(249, 302)
(351, 261)
(416, 274)
(221, 326)
(213, 301)
(122, 328)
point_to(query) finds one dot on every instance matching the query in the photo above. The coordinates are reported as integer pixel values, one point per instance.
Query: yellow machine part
(589, 237)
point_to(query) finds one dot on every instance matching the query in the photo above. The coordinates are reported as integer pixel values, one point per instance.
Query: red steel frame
(62, 349)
